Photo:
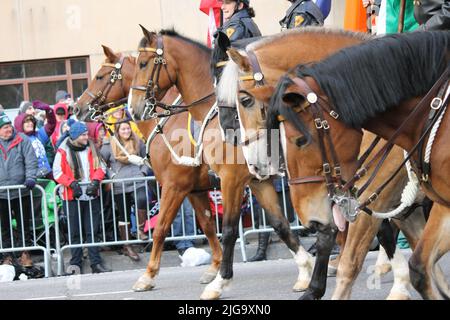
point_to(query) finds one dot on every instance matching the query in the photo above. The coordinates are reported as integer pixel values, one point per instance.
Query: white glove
(136, 160)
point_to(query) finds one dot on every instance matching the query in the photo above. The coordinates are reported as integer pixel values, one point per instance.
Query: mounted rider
(238, 20)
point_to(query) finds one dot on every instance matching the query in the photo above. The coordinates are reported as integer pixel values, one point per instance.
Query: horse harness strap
(152, 87)
(331, 172)
(102, 94)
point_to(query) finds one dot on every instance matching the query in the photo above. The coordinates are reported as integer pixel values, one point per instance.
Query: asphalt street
(266, 280)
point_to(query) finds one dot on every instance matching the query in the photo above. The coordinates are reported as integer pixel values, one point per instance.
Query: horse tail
(386, 238)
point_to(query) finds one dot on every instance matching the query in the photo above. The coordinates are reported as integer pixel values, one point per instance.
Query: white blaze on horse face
(256, 152)
(284, 147)
(130, 99)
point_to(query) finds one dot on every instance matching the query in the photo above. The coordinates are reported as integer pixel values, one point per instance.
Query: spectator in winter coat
(77, 162)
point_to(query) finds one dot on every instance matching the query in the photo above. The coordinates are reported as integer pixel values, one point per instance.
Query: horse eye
(142, 65)
(301, 141)
(99, 77)
(247, 101)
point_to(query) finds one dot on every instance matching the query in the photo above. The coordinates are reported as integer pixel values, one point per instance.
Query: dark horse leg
(232, 193)
(326, 236)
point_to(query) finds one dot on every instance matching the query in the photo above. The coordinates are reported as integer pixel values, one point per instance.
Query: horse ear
(112, 57)
(222, 41)
(239, 59)
(293, 99)
(148, 35)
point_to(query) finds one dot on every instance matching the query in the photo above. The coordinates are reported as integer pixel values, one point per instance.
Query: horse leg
(432, 245)
(200, 202)
(268, 199)
(171, 200)
(360, 236)
(326, 236)
(232, 194)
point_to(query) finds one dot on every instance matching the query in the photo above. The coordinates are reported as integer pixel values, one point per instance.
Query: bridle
(152, 87)
(338, 190)
(258, 77)
(96, 106)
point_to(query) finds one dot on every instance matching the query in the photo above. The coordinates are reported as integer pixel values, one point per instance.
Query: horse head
(111, 83)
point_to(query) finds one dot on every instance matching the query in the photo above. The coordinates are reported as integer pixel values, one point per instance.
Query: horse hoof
(207, 277)
(144, 283)
(210, 295)
(398, 296)
(382, 269)
(308, 296)
(300, 285)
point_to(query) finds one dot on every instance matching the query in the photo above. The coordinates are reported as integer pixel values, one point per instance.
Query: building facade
(49, 45)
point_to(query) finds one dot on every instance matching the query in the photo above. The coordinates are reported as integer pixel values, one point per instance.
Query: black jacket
(432, 14)
(302, 13)
(240, 26)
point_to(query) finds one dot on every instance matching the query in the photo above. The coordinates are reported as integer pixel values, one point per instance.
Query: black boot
(263, 242)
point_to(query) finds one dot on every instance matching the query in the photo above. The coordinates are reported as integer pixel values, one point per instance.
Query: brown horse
(168, 59)
(390, 99)
(273, 60)
(177, 181)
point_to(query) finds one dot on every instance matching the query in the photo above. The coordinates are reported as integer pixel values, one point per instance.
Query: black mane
(367, 79)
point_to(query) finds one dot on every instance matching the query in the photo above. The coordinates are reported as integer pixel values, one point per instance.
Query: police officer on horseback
(238, 22)
(302, 13)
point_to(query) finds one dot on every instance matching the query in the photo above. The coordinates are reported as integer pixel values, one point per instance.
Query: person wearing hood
(26, 123)
(77, 161)
(17, 167)
(96, 132)
(62, 114)
(118, 114)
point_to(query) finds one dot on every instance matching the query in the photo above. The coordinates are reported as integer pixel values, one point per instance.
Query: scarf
(75, 160)
(131, 145)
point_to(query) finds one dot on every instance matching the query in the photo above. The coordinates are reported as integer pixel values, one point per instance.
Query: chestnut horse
(407, 73)
(177, 181)
(168, 59)
(273, 60)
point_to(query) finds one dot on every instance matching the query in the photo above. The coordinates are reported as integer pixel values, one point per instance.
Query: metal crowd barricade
(19, 217)
(103, 241)
(263, 226)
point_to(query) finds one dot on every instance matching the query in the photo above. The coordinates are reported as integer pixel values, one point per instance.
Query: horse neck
(194, 80)
(387, 123)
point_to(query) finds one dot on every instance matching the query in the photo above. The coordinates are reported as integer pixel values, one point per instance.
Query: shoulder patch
(298, 20)
(230, 32)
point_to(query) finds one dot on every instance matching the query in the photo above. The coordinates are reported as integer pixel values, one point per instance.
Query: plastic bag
(195, 257)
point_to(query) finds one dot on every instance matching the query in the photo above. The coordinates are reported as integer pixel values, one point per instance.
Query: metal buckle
(318, 123)
(334, 114)
(325, 125)
(326, 168)
(159, 52)
(425, 177)
(373, 197)
(337, 171)
(434, 101)
(258, 76)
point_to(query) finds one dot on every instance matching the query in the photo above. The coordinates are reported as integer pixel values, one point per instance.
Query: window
(39, 80)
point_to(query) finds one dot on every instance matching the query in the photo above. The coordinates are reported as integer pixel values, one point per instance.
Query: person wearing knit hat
(27, 107)
(4, 119)
(77, 162)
